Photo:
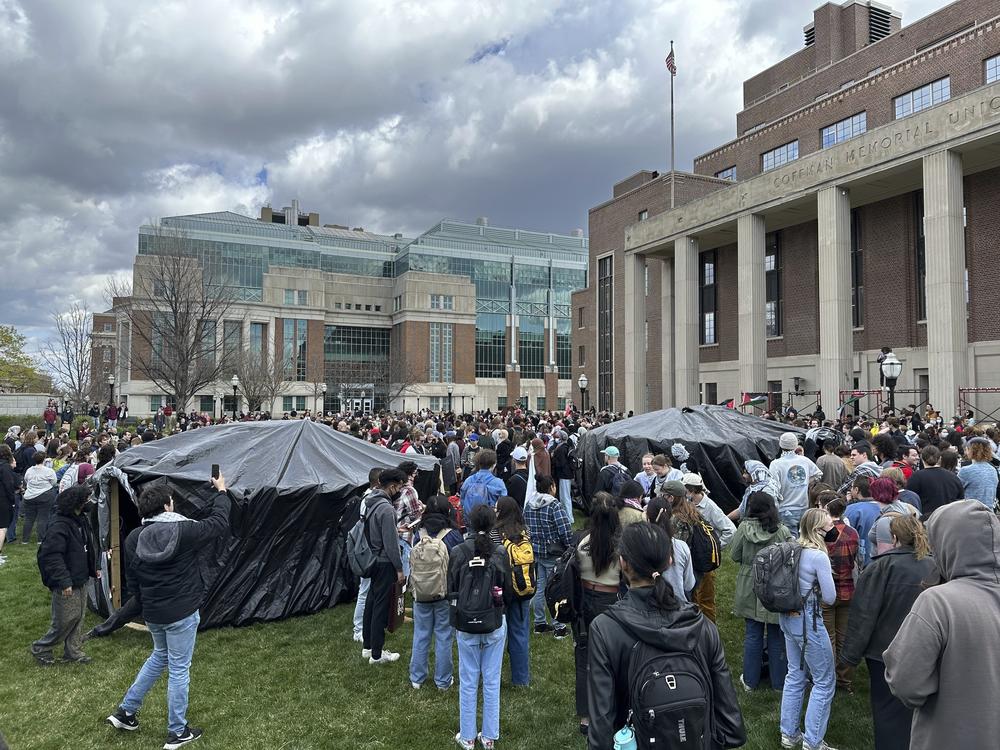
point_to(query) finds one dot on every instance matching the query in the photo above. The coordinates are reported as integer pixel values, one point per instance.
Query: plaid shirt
(409, 510)
(547, 525)
(843, 554)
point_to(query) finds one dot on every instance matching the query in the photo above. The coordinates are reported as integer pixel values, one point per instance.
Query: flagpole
(671, 127)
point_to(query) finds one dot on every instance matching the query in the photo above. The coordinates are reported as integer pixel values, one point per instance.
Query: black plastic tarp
(296, 486)
(718, 439)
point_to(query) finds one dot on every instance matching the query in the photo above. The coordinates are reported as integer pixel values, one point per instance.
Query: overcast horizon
(379, 114)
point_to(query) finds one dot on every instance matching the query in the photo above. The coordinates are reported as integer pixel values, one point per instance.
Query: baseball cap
(674, 488)
(611, 451)
(692, 480)
(474, 437)
(519, 454)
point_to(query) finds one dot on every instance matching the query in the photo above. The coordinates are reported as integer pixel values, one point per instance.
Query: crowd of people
(889, 523)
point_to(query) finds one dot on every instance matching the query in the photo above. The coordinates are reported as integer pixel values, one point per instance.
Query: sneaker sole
(120, 725)
(176, 745)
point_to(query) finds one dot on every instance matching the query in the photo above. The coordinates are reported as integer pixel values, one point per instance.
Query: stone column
(667, 332)
(634, 339)
(513, 370)
(750, 288)
(551, 369)
(944, 250)
(686, 321)
(836, 342)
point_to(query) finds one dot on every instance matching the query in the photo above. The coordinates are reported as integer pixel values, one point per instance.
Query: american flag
(671, 66)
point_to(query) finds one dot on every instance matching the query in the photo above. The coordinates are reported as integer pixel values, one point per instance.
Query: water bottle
(625, 739)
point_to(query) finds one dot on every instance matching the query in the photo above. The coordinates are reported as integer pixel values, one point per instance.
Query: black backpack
(670, 697)
(618, 479)
(775, 578)
(703, 540)
(563, 590)
(474, 609)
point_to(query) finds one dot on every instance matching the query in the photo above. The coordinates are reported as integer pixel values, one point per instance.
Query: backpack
(474, 609)
(706, 551)
(429, 568)
(775, 578)
(456, 507)
(670, 697)
(70, 477)
(563, 591)
(522, 565)
(360, 554)
(620, 477)
(476, 493)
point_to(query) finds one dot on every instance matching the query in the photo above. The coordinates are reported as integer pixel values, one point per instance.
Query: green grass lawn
(302, 684)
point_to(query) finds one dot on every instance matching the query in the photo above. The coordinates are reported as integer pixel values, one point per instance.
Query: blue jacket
(481, 487)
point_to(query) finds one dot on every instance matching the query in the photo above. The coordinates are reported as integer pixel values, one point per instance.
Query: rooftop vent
(397, 236)
(577, 232)
(879, 23)
(810, 34)
(483, 221)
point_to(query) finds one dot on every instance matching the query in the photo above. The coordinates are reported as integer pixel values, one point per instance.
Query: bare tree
(262, 378)
(403, 375)
(174, 307)
(68, 355)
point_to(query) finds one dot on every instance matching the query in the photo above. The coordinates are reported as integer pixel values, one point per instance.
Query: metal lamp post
(236, 384)
(891, 368)
(363, 410)
(322, 390)
(111, 389)
(583, 382)
(451, 389)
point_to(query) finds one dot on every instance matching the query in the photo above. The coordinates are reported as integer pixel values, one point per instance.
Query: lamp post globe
(891, 370)
(583, 382)
(111, 389)
(451, 389)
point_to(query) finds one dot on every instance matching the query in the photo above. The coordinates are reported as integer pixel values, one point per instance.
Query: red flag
(671, 66)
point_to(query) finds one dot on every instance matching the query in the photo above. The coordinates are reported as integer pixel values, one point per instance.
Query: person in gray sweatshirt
(380, 527)
(944, 662)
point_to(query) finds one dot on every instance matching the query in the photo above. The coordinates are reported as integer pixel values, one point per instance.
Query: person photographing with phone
(162, 564)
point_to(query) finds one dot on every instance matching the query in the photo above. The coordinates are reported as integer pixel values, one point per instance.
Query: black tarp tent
(296, 486)
(718, 439)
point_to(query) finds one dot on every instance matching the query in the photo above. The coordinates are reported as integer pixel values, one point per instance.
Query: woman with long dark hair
(679, 573)
(511, 532)
(600, 578)
(650, 618)
(759, 529)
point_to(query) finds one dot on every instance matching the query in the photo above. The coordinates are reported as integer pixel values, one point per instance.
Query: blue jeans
(432, 619)
(518, 631)
(173, 647)
(566, 496)
(543, 569)
(480, 656)
(819, 661)
(404, 553)
(359, 608)
(791, 520)
(12, 529)
(753, 654)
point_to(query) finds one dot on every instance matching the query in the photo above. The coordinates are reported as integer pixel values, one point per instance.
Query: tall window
(293, 347)
(564, 348)
(491, 345)
(706, 297)
(919, 252)
(772, 282)
(844, 130)
(710, 393)
(923, 97)
(208, 340)
(531, 346)
(605, 332)
(232, 339)
(441, 353)
(729, 173)
(258, 339)
(442, 302)
(857, 272)
(780, 155)
(773, 394)
(643, 214)
(993, 69)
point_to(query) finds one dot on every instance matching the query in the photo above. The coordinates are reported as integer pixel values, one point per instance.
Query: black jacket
(685, 630)
(606, 477)
(24, 459)
(517, 486)
(883, 596)
(67, 558)
(562, 467)
(9, 482)
(162, 562)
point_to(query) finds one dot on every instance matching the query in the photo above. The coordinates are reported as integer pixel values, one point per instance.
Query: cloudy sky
(387, 114)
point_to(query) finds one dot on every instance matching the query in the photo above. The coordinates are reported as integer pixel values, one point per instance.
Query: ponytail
(911, 533)
(646, 549)
(663, 593)
(481, 520)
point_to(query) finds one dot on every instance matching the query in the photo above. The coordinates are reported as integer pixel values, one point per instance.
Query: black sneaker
(543, 627)
(121, 720)
(45, 660)
(174, 741)
(561, 632)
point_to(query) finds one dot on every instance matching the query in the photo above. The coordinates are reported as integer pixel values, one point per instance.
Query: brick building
(856, 209)
(466, 312)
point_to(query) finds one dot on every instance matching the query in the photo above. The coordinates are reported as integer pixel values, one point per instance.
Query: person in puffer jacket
(163, 573)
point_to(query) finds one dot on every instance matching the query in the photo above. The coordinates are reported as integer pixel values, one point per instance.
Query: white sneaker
(746, 687)
(387, 658)
(465, 744)
(415, 685)
(790, 742)
(359, 637)
(366, 653)
(821, 746)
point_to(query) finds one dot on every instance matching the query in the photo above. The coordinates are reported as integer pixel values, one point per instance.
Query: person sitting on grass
(163, 572)
(66, 560)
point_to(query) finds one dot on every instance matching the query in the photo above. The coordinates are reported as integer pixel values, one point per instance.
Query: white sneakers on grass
(387, 657)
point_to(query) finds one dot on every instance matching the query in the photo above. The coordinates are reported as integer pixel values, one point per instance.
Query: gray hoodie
(945, 660)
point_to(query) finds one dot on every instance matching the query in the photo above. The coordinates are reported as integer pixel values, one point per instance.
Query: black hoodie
(684, 630)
